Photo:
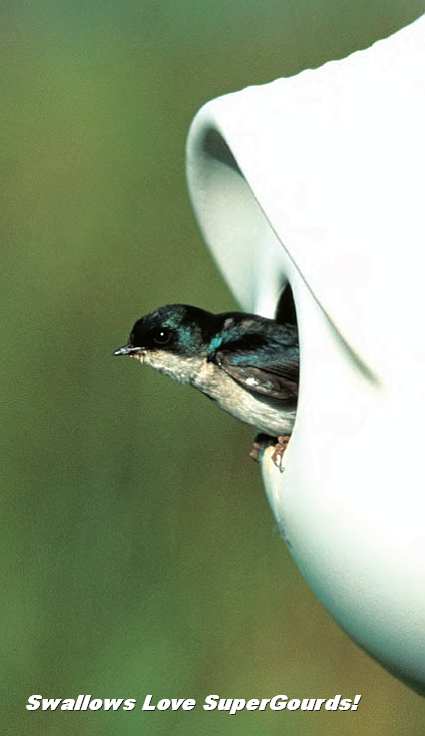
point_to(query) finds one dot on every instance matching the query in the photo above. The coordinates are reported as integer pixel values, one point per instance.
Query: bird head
(169, 336)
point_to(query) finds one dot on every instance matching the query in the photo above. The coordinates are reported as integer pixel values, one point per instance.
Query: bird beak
(127, 350)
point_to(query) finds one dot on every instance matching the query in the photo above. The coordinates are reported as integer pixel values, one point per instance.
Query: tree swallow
(248, 365)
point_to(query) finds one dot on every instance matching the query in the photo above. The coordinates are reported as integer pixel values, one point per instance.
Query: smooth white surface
(318, 180)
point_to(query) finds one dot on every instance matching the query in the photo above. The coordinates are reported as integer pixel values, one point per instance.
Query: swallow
(248, 365)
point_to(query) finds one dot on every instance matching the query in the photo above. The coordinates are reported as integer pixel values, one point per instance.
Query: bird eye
(162, 337)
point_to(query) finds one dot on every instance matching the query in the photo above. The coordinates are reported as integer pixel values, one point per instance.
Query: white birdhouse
(317, 181)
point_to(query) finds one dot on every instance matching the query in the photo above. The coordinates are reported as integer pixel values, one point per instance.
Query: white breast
(215, 383)
(243, 405)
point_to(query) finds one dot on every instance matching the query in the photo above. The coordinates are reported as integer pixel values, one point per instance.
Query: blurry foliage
(129, 566)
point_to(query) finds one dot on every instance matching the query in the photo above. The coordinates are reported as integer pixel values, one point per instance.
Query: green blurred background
(138, 550)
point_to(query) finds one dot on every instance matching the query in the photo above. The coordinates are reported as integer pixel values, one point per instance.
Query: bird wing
(272, 376)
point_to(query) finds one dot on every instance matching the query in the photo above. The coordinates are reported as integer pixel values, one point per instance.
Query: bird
(247, 364)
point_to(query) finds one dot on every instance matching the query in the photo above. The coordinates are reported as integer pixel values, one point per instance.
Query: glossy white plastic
(318, 180)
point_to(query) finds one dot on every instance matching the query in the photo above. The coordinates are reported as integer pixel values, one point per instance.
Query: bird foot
(263, 441)
(279, 451)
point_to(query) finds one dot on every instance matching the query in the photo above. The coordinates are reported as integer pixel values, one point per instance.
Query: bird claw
(279, 451)
(263, 441)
